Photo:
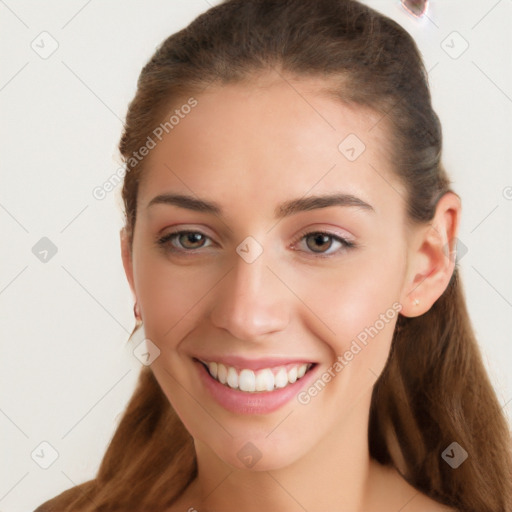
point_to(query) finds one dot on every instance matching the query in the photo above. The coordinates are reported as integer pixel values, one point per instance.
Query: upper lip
(253, 364)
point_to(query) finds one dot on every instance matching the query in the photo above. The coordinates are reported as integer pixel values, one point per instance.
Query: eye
(320, 242)
(186, 241)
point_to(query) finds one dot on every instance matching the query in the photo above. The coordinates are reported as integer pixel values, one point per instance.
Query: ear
(126, 255)
(431, 258)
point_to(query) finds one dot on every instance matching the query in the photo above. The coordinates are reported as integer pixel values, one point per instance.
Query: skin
(249, 148)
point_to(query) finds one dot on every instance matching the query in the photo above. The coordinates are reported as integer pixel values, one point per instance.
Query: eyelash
(164, 242)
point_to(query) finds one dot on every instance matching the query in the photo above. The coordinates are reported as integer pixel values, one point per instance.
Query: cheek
(357, 304)
(338, 302)
(351, 295)
(170, 294)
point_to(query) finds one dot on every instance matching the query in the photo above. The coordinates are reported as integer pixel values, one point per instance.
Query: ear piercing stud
(415, 302)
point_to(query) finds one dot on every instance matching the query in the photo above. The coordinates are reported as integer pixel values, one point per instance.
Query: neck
(333, 475)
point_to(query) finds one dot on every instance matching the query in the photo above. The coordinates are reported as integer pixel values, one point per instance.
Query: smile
(266, 379)
(261, 390)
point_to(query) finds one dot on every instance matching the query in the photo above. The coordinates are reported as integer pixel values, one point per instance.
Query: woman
(290, 240)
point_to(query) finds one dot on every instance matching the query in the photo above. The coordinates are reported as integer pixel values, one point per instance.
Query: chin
(260, 452)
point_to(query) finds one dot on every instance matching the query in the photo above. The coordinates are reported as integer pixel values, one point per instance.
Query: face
(264, 277)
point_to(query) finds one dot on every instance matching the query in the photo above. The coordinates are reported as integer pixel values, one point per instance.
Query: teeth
(292, 375)
(281, 379)
(222, 374)
(213, 369)
(247, 380)
(262, 380)
(232, 378)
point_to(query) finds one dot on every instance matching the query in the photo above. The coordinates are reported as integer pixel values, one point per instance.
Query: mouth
(260, 391)
(256, 381)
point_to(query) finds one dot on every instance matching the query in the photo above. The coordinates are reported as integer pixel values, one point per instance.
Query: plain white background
(66, 372)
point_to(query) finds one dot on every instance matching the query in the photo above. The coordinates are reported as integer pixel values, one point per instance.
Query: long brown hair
(432, 392)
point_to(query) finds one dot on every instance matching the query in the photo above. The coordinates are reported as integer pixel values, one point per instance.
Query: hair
(432, 392)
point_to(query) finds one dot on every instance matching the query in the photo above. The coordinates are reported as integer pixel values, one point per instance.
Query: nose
(251, 301)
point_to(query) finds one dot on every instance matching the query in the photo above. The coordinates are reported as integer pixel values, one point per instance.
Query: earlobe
(431, 258)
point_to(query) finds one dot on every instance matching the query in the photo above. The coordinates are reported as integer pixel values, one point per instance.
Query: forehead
(268, 140)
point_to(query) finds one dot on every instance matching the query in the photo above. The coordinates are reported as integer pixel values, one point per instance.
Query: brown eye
(191, 240)
(183, 241)
(319, 242)
(323, 244)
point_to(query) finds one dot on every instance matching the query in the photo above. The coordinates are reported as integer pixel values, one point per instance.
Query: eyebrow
(285, 209)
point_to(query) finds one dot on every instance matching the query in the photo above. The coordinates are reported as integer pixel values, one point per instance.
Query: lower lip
(241, 402)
